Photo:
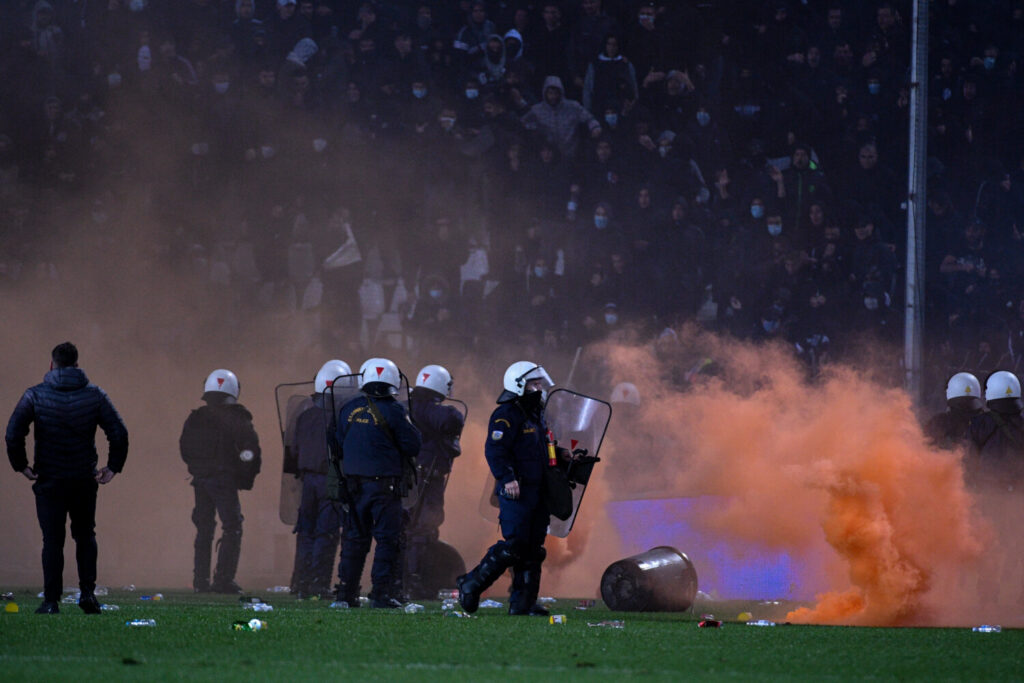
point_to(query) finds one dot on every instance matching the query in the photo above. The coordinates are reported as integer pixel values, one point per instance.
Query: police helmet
(625, 392)
(225, 382)
(1002, 392)
(379, 377)
(963, 390)
(436, 378)
(331, 370)
(521, 372)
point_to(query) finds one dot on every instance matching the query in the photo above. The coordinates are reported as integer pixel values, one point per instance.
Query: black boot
(227, 563)
(472, 584)
(526, 587)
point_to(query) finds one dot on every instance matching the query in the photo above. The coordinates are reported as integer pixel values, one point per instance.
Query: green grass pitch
(306, 641)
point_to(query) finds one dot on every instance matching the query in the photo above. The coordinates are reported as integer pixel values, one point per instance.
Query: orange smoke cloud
(837, 469)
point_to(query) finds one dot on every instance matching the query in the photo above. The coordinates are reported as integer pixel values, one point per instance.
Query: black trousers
(56, 500)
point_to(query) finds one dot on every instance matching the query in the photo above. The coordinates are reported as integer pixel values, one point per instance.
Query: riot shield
(411, 503)
(292, 400)
(578, 422)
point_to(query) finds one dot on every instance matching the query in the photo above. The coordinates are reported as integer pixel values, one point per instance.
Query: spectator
(557, 119)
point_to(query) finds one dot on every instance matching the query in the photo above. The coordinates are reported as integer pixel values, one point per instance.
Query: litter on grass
(608, 623)
(279, 589)
(259, 607)
(491, 603)
(11, 608)
(546, 600)
(558, 619)
(459, 615)
(761, 622)
(986, 628)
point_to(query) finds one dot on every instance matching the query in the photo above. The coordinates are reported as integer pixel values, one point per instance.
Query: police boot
(526, 587)
(498, 558)
(201, 567)
(227, 564)
(347, 594)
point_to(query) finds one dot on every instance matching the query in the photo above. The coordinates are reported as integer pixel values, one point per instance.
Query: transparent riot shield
(292, 400)
(577, 422)
(411, 503)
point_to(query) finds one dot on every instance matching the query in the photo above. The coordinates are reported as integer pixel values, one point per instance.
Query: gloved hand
(580, 457)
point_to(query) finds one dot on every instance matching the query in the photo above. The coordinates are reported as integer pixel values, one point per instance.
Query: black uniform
(517, 449)
(212, 441)
(373, 451)
(441, 426)
(317, 528)
(66, 410)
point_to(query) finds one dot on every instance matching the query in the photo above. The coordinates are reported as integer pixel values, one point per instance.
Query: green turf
(194, 640)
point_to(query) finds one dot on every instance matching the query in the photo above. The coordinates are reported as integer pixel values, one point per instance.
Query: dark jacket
(66, 410)
(998, 458)
(309, 443)
(213, 439)
(368, 449)
(516, 445)
(441, 426)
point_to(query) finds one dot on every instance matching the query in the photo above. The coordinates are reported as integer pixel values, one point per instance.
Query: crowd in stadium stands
(550, 172)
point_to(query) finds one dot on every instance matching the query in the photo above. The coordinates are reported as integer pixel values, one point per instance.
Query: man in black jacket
(66, 410)
(222, 451)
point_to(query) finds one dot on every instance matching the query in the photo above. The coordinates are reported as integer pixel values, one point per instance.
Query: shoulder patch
(497, 434)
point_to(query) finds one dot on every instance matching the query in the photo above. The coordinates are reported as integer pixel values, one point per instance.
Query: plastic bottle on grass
(251, 625)
(140, 622)
(449, 603)
(412, 608)
(761, 622)
(986, 628)
(109, 608)
(448, 594)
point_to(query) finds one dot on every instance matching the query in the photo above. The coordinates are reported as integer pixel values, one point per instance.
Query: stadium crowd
(453, 172)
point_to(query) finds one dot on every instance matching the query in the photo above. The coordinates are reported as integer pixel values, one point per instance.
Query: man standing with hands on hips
(66, 410)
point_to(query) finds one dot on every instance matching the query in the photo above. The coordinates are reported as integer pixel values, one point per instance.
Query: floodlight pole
(916, 203)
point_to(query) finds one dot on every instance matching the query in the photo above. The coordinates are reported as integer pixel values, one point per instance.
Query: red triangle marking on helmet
(220, 381)
(425, 376)
(573, 443)
(330, 382)
(380, 371)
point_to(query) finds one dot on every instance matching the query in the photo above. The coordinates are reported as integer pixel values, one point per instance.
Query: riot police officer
(517, 452)
(319, 519)
(378, 446)
(995, 471)
(951, 428)
(222, 451)
(441, 427)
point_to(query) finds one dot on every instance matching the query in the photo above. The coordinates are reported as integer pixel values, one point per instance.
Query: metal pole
(916, 202)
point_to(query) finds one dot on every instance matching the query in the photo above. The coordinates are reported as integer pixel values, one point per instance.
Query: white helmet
(963, 385)
(1002, 384)
(225, 382)
(521, 372)
(331, 370)
(626, 392)
(380, 370)
(436, 378)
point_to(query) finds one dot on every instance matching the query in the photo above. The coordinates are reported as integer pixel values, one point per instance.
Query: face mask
(946, 93)
(703, 118)
(600, 222)
(221, 88)
(319, 145)
(472, 94)
(533, 400)
(419, 93)
(137, 5)
(775, 229)
(114, 80)
(871, 303)
(540, 272)
(267, 151)
(611, 318)
(663, 151)
(646, 20)
(572, 206)
(144, 58)
(770, 326)
(757, 211)
(200, 149)
(447, 123)
(436, 293)
(990, 63)
(874, 88)
(611, 119)
(747, 110)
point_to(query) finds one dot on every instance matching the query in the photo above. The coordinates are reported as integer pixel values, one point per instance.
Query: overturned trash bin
(659, 580)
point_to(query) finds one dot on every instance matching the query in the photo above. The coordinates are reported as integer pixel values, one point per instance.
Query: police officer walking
(441, 426)
(517, 452)
(66, 410)
(379, 444)
(222, 451)
(318, 527)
